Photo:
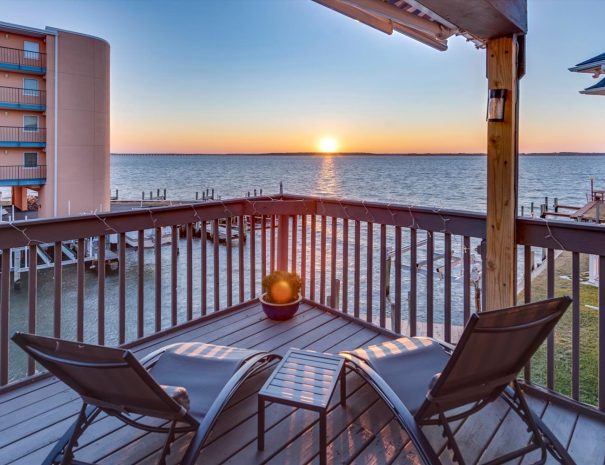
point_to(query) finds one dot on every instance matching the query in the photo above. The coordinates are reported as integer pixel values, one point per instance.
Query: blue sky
(278, 75)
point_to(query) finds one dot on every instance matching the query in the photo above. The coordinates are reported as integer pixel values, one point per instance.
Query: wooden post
(502, 155)
(282, 243)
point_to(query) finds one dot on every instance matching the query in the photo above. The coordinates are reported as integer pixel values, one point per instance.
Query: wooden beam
(485, 19)
(502, 156)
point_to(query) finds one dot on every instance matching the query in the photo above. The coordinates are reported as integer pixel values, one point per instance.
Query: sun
(328, 145)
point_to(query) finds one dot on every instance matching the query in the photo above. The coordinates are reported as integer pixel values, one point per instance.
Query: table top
(304, 378)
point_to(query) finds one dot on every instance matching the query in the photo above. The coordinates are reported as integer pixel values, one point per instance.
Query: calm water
(437, 181)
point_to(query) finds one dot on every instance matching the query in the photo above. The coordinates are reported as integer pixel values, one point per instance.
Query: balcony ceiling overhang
(432, 22)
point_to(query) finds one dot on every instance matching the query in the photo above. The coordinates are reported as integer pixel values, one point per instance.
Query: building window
(31, 50)
(30, 159)
(30, 123)
(30, 87)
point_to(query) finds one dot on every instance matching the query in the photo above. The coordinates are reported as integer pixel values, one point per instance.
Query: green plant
(277, 278)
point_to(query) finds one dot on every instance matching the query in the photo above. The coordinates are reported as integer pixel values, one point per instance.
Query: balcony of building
(24, 61)
(371, 272)
(21, 175)
(18, 98)
(22, 136)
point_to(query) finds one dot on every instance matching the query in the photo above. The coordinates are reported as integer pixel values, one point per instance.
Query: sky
(254, 76)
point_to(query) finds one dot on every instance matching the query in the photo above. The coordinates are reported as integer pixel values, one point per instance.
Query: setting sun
(328, 145)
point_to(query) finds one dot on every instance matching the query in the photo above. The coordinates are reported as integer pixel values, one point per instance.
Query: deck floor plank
(34, 416)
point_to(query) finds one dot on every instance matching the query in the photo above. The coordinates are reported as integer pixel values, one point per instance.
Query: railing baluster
(32, 274)
(240, 255)
(466, 279)
(215, 257)
(174, 248)
(204, 267)
(4, 315)
(313, 251)
(345, 265)
(141, 283)
(294, 243)
(430, 253)
(357, 273)
(122, 288)
(252, 257)
(527, 270)
(158, 278)
(447, 312)
(101, 291)
(303, 255)
(322, 262)
(601, 352)
(333, 256)
(383, 275)
(272, 245)
(369, 270)
(189, 233)
(80, 291)
(550, 341)
(229, 263)
(263, 245)
(483, 276)
(575, 326)
(396, 316)
(412, 305)
(58, 279)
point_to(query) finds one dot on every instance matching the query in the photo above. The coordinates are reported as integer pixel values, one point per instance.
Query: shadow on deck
(32, 418)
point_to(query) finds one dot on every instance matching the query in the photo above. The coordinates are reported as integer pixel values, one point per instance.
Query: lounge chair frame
(62, 452)
(432, 411)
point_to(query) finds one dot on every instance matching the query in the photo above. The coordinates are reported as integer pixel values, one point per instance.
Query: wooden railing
(366, 259)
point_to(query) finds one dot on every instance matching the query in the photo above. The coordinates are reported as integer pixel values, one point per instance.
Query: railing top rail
(21, 50)
(20, 127)
(22, 233)
(21, 88)
(555, 234)
(22, 166)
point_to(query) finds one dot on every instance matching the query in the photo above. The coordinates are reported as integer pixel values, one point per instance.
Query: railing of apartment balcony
(22, 135)
(22, 98)
(21, 172)
(22, 59)
(367, 259)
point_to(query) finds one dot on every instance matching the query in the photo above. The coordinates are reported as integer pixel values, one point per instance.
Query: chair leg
(451, 440)
(541, 435)
(166, 448)
(63, 448)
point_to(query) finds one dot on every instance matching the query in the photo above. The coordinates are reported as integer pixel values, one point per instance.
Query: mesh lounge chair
(423, 380)
(186, 384)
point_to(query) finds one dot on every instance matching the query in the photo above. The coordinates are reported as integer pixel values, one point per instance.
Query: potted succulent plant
(281, 295)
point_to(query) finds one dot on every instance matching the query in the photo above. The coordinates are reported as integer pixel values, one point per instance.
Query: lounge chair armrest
(403, 415)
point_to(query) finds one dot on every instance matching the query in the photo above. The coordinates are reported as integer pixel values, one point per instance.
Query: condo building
(54, 119)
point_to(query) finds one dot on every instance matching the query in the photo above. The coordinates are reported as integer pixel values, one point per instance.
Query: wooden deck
(364, 432)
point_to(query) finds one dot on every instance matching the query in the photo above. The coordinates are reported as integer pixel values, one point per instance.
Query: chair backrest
(109, 378)
(493, 349)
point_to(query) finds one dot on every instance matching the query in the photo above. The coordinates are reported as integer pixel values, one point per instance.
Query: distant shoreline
(348, 154)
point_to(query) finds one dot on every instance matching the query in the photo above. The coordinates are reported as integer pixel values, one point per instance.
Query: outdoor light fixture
(495, 104)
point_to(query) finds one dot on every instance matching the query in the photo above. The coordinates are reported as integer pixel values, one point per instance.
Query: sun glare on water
(328, 145)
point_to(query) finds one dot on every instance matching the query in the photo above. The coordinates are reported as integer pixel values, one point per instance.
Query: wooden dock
(364, 432)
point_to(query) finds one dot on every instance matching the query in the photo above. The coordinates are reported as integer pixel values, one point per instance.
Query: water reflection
(326, 183)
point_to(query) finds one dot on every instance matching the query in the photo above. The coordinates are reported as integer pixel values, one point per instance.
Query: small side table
(307, 380)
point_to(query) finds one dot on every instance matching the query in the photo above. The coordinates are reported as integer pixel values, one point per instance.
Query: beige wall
(14, 156)
(83, 126)
(11, 40)
(14, 79)
(15, 117)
